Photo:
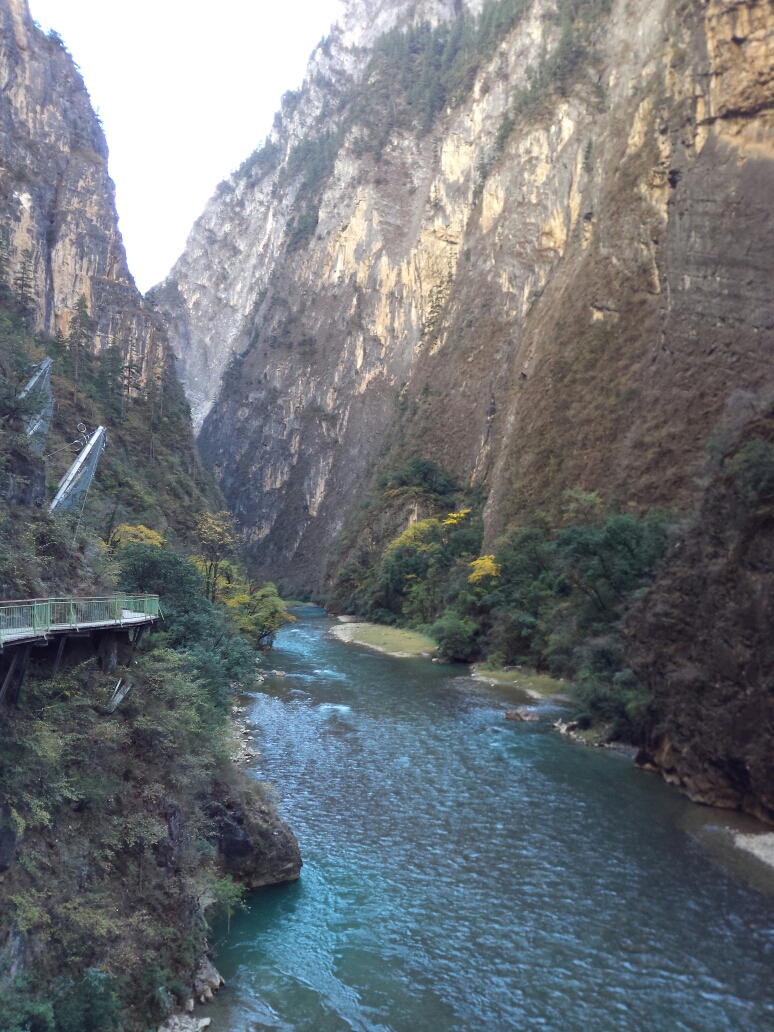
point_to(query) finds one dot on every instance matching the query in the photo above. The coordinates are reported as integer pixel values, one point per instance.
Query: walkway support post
(25, 662)
(59, 654)
(9, 675)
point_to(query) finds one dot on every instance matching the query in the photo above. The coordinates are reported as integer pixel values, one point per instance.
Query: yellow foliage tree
(454, 518)
(216, 542)
(258, 610)
(484, 566)
(417, 535)
(126, 534)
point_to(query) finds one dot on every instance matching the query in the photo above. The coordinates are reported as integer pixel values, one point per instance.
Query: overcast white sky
(186, 90)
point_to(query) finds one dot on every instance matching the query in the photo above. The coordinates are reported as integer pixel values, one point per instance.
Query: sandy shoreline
(359, 633)
(521, 683)
(761, 846)
(527, 691)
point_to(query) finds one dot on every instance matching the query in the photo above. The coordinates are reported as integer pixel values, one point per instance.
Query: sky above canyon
(186, 90)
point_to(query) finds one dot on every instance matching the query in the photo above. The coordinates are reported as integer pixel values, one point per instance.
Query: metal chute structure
(77, 480)
(39, 389)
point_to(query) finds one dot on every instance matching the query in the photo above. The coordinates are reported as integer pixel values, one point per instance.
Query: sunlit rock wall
(56, 198)
(583, 313)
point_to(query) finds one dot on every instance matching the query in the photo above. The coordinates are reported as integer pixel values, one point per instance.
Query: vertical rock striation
(57, 201)
(571, 298)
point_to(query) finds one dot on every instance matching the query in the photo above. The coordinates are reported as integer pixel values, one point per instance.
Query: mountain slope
(565, 274)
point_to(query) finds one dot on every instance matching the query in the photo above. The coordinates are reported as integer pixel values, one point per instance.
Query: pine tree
(80, 338)
(23, 287)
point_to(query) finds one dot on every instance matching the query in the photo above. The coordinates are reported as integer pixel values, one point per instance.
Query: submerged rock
(528, 716)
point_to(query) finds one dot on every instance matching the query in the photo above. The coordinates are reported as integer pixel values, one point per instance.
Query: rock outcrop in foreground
(254, 845)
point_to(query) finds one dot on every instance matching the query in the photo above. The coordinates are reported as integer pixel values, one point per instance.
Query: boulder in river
(254, 844)
(184, 1023)
(207, 981)
(523, 713)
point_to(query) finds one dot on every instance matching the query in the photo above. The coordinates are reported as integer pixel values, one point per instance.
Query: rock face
(576, 303)
(254, 845)
(702, 640)
(213, 293)
(57, 202)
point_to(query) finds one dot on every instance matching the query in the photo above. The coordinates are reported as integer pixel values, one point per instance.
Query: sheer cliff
(57, 202)
(136, 817)
(701, 639)
(557, 266)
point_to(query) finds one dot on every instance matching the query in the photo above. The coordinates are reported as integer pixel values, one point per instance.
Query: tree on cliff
(23, 288)
(80, 338)
(216, 542)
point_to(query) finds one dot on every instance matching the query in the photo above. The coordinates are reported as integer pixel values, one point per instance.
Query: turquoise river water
(467, 874)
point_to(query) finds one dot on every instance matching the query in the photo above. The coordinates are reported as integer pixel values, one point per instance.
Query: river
(467, 874)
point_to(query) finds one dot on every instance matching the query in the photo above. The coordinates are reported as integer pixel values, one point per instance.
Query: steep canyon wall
(576, 292)
(57, 202)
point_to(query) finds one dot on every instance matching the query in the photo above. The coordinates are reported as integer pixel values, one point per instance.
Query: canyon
(561, 281)
(583, 301)
(523, 249)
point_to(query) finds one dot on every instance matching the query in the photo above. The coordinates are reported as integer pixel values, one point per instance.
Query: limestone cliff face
(216, 288)
(56, 199)
(575, 303)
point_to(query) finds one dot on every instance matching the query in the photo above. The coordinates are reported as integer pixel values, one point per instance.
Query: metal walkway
(38, 619)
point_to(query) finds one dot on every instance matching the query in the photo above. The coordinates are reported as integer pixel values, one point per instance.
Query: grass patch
(393, 640)
(526, 679)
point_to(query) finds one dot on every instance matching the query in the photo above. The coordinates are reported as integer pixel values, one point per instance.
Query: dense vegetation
(552, 597)
(108, 807)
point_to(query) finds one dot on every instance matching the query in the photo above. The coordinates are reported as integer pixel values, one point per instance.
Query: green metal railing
(39, 617)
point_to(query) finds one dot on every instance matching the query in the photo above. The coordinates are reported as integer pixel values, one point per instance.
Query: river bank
(392, 641)
(463, 872)
(536, 686)
(404, 644)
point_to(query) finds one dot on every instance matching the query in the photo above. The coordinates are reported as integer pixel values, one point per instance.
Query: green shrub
(619, 701)
(456, 637)
(88, 1005)
(24, 1010)
(421, 473)
(753, 470)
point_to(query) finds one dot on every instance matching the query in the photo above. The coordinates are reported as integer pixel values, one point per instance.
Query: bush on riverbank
(552, 597)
